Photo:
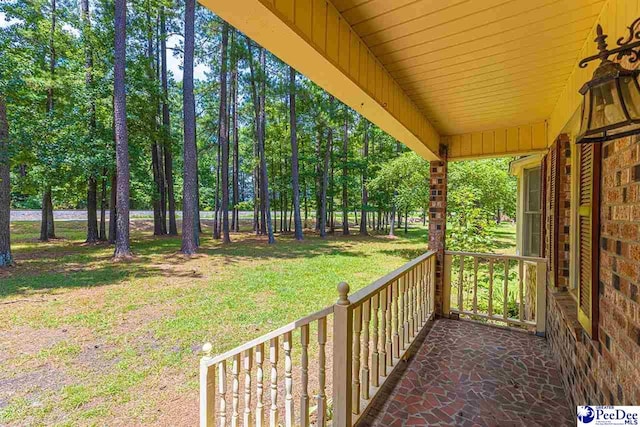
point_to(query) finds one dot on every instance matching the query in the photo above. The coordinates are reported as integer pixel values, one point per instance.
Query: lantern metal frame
(611, 72)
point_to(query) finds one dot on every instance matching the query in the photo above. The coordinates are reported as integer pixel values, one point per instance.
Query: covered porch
(363, 359)
(453, 81)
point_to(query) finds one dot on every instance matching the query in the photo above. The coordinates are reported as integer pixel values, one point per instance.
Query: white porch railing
(507, 289)
(372, 330)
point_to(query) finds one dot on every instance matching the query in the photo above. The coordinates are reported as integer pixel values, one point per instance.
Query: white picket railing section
(372, 330)
(506, 289)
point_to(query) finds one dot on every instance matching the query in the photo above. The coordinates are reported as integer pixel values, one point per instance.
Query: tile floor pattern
(468, 374)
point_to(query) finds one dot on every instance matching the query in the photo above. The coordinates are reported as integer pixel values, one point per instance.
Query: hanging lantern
(611, 99)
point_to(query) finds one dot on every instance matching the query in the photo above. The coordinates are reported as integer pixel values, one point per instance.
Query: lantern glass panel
(607, 108)
(631, 96)
(586, 108)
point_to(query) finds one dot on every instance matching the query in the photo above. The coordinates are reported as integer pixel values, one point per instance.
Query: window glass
(532, 212)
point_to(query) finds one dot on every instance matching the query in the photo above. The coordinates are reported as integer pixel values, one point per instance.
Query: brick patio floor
(468, 374)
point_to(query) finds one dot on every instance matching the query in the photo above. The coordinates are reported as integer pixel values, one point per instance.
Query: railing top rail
(367, 292)
(270, 335)
(497, 256)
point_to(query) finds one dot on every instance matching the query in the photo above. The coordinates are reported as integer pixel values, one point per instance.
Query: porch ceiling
(473, 65)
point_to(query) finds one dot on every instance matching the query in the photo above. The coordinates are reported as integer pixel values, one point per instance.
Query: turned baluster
(389, 343)
(259, 385)
(235, 390)
(375, 356)
(411, 297)
(405, 315)
(505, 295)
(288, 381)
(396, 337)
(425, 290)
(366, 318)
(222, 390)
(401, 298)
(355, 389)
(521, 290)
(418, 298)
(304, 376)
(247, 366)
(475, 285)
(322, 397)
(490, 302)
(383, 333)
(418, 274)
(460, 284)
(273, 359)
(416, 303)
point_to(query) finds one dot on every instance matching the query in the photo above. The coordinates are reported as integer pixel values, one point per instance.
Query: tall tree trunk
(47, 225)
(51, 232)
(345, 195)
(113, 213)
(156, 162)
(156, 196)
(190, 189)
(224, 135)
(325, 178)
(216, 203)
(319, 179)
(236, 141)
(332, 222)
(264, 181)
(6, 259)
(365, 193)
(295, 177)
(197, 214)
(92, 208)
(123, 248)
(160, 137)
(393, 218)
(406, 221)
(102, 231)
(44, 233)
(166, 126)
(92, 184)
(260, 119)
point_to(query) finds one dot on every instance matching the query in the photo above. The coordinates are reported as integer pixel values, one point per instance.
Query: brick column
(438, 219)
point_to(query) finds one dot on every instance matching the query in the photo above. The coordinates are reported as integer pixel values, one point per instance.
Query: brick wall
(606, 371)
(564, 220)
(438, 220)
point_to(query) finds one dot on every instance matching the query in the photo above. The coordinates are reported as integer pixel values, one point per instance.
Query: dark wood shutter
(543, 206)
(554, 211)
(589, 236)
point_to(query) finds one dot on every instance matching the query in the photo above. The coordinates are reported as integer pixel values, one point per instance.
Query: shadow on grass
(78, 265)
(86, 278)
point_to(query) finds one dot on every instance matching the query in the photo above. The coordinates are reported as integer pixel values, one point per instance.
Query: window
(532, 212)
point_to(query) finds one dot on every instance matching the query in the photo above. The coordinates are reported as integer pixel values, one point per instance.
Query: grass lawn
(86, 341)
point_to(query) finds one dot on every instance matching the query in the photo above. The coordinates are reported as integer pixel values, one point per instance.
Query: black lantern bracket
(627, 46)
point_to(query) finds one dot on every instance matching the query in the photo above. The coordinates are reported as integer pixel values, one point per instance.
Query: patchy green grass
(84, 340)
(503, 239)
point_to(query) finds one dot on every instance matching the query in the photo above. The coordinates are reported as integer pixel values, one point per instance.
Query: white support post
(207, 389)
(541, 298)
(342, 358)
(446, 286)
